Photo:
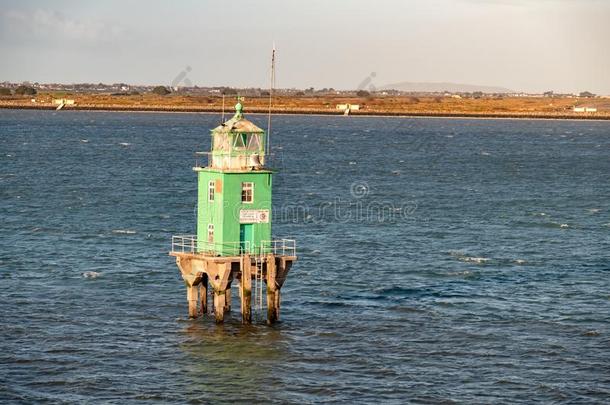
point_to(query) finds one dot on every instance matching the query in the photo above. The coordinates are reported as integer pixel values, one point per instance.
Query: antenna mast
(222, 120)
(271, 85)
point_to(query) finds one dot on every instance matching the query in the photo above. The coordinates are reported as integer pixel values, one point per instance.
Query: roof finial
(239, 108)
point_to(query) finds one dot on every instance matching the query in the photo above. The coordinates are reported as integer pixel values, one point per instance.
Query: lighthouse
(233, 245)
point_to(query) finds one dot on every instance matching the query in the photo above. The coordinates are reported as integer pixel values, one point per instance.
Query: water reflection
(232, 361)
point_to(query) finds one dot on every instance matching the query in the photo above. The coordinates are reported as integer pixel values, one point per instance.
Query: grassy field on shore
(399, 105)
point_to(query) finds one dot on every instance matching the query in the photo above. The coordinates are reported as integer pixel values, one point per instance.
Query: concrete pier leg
(220, 280)
(228, 299)
(219, 306)
(273, 309)
(272, 291)
(191, 296)
(203, 294)
(245, 288)
(277, 304)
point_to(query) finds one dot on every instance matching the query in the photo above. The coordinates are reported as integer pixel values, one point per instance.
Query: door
(245, 237)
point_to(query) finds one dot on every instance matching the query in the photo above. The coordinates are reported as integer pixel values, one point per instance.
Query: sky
(523, 45)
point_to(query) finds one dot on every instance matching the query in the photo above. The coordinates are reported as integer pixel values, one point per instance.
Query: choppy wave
(124, 231)
(463, 257)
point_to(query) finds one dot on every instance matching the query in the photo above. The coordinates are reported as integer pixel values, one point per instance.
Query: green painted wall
(223, 212)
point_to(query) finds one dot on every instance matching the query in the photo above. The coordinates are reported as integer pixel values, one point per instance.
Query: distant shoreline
(297, 111)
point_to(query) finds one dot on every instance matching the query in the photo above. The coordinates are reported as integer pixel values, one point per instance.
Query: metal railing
(202, 159)
(190, 244)
(279, 247)
(184, 244)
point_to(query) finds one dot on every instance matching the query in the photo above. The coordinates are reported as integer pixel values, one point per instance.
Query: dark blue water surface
(440, 261)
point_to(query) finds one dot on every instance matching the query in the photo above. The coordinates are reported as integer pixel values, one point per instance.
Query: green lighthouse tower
(234, 243)
(234, 197)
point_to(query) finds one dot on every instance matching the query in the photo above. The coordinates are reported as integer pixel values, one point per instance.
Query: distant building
(585, 109)
(63, 101)
(344, 107)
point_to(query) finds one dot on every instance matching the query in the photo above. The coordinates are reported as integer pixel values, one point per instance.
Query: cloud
(48, 24)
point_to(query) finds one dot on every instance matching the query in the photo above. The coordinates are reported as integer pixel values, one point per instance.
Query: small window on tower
(210, 233)
(247, 192)
(211, 190)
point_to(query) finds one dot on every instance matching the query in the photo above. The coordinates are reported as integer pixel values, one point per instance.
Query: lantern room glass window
(211, 188)
(247, 192)
(221, 143)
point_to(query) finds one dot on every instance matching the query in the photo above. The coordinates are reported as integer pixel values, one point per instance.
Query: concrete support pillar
(219, 278)
(273, 306)
(191, 297)
(273, 296)
(228, 299)
(277, 304)
(203, 294)
(219, 305)
(245, 290)
(205, 276)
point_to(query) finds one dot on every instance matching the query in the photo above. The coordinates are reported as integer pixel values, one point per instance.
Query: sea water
(440, 261)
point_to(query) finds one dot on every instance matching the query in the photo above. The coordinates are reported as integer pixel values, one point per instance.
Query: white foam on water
(593, 210)
(477, 260)
(460, 273)
(124, 144)
(124, 231)
(564, 226)
(469, 259)
(352, 163)
(520, 261)
(485, 153)
(84, 140)
(91, 274)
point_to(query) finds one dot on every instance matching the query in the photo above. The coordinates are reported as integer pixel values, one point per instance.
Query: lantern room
(238, 144)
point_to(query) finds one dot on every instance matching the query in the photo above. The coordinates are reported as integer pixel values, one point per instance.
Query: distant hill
(440, 87)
